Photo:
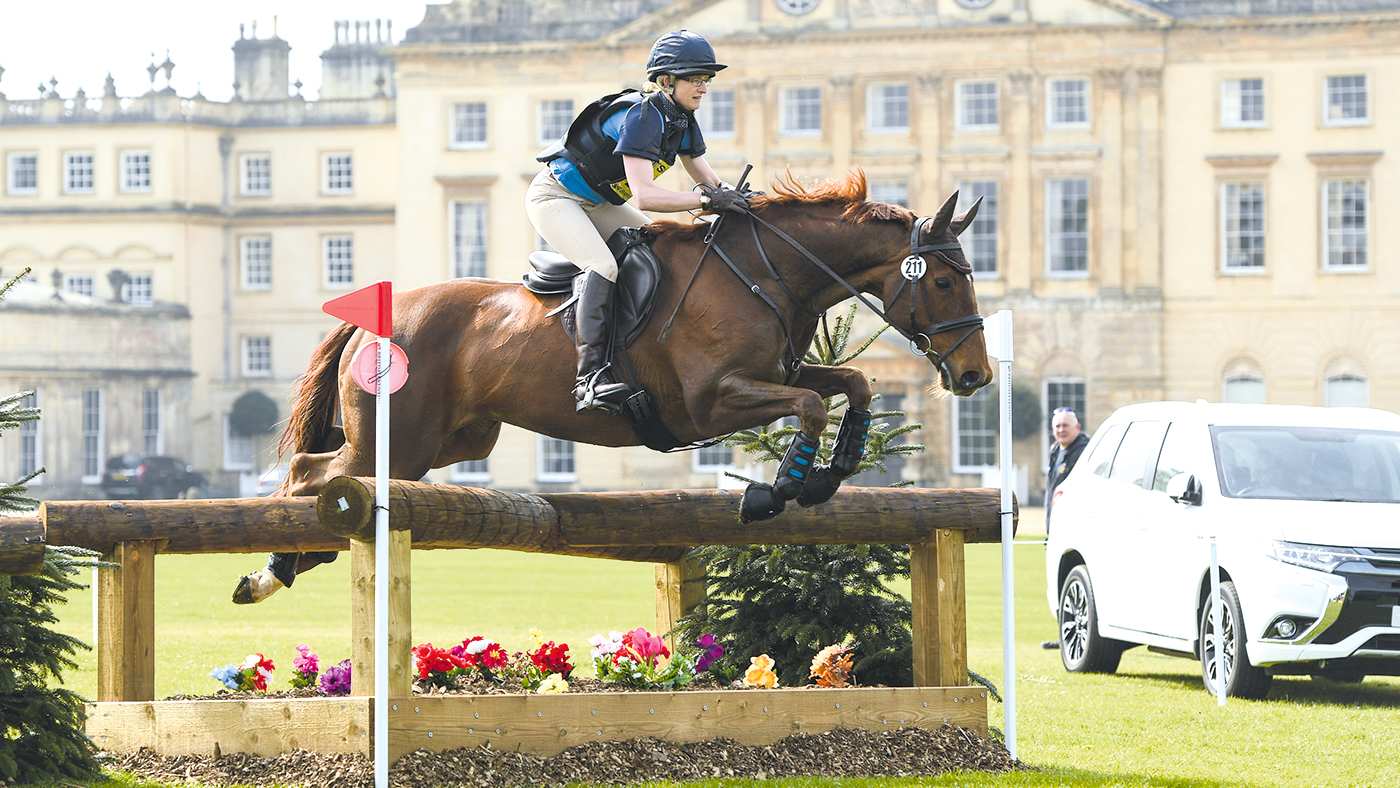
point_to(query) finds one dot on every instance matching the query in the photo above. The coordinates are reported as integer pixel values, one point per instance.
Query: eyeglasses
(1064, 410)
(698, 81)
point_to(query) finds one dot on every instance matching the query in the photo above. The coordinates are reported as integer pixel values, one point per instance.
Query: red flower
(551, 658)
(494, 657)
(433, 660)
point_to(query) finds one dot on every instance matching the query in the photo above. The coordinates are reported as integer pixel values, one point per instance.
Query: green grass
(1152, 724)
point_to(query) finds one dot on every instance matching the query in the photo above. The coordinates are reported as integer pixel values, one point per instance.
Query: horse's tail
(311, 425)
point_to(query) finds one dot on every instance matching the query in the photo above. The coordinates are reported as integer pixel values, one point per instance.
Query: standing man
(1069, 444)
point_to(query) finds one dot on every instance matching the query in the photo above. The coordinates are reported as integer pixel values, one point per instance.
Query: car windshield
(1308, 463)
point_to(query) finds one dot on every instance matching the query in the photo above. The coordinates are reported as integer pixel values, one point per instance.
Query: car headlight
(1312, 556)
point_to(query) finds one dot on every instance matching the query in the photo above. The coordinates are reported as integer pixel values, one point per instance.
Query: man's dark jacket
(1062, 461)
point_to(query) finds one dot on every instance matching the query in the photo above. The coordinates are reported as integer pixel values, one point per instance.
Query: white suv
(1305, 506)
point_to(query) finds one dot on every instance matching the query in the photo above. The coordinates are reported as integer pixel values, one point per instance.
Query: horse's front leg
(823, 481)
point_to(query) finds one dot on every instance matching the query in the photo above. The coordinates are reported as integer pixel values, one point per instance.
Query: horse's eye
(944, 283)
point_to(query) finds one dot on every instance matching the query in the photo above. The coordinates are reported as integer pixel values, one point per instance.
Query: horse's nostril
(971, 377)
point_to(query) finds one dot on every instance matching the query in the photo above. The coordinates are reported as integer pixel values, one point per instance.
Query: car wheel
(1242, 679)
(1081, 648)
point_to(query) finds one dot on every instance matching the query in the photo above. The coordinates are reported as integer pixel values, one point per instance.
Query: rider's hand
(723, 200)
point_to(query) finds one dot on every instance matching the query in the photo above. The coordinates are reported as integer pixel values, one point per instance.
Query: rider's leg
(567, 223)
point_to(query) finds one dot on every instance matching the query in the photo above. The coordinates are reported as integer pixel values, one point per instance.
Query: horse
(486, 352)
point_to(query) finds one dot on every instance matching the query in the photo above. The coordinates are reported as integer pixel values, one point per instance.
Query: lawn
(1150, 725)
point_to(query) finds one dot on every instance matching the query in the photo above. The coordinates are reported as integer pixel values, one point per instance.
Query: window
(136, 171)
(78, 284)
(712, 459)
(138, 290)
(800, 112)
(255, 261)
(338, 261)
(24, 173)
(1102, 458)
(1137, 454)
(887, 109)
(337, 173)
(1346, 101)
(555, 117)
(1347, 391)
(478, 471)
(468, 238)
(1242, 226)
(469, 125)
(1061, 393)
(77, 173)
(92, 436)
(1242, 103)
(1067, 226)
(257, 357)
(31, 454)
(894, 192)
(238, 449)
(152, 439)
(255, 174)
(555, 460)
(1176, 457)
(980, 240)
(976, 107)
(1247, 389)
(1346, 204)
(716, 114)
(974, 431)
(1067, 103)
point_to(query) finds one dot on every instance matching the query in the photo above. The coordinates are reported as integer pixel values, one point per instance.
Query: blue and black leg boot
(850, 442)
(796, 466)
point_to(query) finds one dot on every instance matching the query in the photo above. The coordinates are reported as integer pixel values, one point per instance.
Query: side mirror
(1183, 488)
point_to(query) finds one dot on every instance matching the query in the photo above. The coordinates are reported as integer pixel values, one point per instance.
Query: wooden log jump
(657, 526)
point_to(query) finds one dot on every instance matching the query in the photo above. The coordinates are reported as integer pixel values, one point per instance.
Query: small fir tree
(41, 727)
(789, 602)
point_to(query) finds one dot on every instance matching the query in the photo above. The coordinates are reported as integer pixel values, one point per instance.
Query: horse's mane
(788, 189)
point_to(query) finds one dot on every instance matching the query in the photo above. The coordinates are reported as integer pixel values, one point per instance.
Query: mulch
(837, 753)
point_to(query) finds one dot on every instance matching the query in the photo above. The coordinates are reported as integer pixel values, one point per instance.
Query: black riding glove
(726, 201)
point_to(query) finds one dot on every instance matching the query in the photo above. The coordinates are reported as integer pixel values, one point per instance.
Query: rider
(613, 151)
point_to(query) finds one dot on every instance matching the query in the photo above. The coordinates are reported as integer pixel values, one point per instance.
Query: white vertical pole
(1008, 567)
(381, 567)
(1219, 624)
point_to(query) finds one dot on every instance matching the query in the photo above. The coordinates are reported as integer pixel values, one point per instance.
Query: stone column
(1113, 167)
(756, 142)
(929, 142)
(1020, 269)
(841, 124)
(1148, 271)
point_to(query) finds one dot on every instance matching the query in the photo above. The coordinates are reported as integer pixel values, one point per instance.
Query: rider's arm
(699, 170)
(651, 197)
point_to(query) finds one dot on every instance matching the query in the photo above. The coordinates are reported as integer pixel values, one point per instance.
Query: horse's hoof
(821, 485)
(255, 588)
(759, 503)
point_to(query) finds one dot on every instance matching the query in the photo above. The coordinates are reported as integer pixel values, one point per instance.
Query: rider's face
(688, 94)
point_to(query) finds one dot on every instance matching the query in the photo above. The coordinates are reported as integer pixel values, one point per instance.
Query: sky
(79, 42)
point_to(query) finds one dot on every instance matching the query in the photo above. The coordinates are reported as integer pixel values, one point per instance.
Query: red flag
(370, 308)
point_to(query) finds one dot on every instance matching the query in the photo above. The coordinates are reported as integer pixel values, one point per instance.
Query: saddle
(638, 273)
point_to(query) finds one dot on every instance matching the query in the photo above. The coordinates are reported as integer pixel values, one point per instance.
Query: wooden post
(939, 600)
(362, 616)
(126, 615)
(675, 597)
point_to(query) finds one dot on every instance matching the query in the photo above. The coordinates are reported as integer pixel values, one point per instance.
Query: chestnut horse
(487, 352)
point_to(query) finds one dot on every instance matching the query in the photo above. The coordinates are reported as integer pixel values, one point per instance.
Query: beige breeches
(576, 228)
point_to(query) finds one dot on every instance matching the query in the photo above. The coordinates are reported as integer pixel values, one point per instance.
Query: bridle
(914, 266)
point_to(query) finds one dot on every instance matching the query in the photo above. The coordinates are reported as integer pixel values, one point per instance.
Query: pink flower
(308, 662)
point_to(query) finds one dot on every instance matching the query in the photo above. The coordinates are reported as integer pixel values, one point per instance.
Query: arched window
(1243, 382)
(1347, 391)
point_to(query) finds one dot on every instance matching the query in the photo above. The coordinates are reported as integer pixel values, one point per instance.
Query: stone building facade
(1179, 196)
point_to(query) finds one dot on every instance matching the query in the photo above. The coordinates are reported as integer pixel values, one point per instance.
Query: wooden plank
(680, 588)
(939, 600)
(126, 603)
(221, 525)
(266, 728)
(362, 566)
(21, 545)
(547, 725)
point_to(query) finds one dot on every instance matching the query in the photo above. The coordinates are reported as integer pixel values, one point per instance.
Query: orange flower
(760, 673)
(832, 666)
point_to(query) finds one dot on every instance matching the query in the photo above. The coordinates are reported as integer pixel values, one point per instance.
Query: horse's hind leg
(846, 454)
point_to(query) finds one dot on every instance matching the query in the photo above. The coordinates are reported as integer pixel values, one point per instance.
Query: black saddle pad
(639, 271)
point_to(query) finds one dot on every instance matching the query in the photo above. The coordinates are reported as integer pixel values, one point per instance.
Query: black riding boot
(596, 386)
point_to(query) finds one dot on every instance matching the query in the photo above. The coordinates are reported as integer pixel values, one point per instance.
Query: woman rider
(613, 151)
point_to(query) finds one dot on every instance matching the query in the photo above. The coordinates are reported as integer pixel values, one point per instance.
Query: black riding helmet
(684, 54)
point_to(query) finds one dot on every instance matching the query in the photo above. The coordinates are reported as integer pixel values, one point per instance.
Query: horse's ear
(961, 223)
(943, 218)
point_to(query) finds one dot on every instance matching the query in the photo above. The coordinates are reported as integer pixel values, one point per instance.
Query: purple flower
(710, 651)
(336, 679)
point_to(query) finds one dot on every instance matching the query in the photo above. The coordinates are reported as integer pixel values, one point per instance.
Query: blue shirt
(637, 133)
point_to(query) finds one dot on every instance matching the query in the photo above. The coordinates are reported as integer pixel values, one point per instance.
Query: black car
(145, 476)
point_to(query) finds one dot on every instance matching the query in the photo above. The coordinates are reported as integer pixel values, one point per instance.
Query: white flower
(478, 646)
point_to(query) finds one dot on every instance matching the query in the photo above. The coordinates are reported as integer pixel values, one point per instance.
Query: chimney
(261, 67)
